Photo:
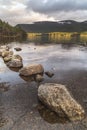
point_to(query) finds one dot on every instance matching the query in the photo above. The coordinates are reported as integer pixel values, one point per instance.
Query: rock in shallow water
(17, 57)
(15, 61)
(15, 64)
(58, 99)
(3, 48)
(7, 58)
(18, 49)
(7, 53)
(38, 78)
(49, 74)
(32, 70)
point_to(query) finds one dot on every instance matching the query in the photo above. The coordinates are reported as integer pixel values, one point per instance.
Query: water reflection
(28, 78)
(6, 40)
(66, 61)
(58, 37)
(14, 69)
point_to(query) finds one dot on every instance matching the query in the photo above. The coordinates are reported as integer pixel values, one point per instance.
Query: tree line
(6, 30)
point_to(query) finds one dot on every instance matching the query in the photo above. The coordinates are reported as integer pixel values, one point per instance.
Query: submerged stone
(18, 49)
(49, 74)
(39, 78)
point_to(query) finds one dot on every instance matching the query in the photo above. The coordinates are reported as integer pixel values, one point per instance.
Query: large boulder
(58, 99)
(32, 70)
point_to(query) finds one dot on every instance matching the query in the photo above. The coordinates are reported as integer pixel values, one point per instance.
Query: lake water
(19, 105)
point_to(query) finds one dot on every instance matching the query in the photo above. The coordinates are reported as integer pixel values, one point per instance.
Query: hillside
(48, 26)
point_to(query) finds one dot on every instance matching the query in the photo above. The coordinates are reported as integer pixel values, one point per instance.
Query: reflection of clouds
(36, 59)
(55, 55)
(62, 58)
(2, 70)
(3, 67)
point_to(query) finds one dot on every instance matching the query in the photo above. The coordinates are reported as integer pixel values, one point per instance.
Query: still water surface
(19, 105)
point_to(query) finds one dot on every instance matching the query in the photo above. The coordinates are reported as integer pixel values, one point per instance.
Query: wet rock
(49, 74)
(18, 49)
(28, 78)
(15, 69)
(4, 47)
(50, 116)
(2, 50)
(17, 57)
(31, 70)
(12, 57)
(58, 99)
(39, 78)
(0, 53)
(7, 59)
(6, 53)
(15, 63)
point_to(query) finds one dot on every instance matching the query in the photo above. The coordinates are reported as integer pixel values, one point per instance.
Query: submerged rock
(39, 78)
(58, 99)
(31, 70)
(49, 74)
(18, 49)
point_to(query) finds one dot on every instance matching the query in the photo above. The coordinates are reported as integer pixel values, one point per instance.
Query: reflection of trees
(75, 37)
(58, 37)
(9, 32)
(45, 37)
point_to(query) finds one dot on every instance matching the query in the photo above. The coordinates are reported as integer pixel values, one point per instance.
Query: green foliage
(6, 30)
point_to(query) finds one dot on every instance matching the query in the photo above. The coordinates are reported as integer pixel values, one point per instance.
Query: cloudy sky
(28, 11)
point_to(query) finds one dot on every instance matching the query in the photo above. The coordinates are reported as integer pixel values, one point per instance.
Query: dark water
(19, 105)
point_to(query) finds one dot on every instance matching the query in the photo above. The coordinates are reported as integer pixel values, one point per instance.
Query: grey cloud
(9, 3)
(50, 6)
(27, 11)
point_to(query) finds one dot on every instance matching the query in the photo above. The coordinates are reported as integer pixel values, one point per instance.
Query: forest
(8, 31)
